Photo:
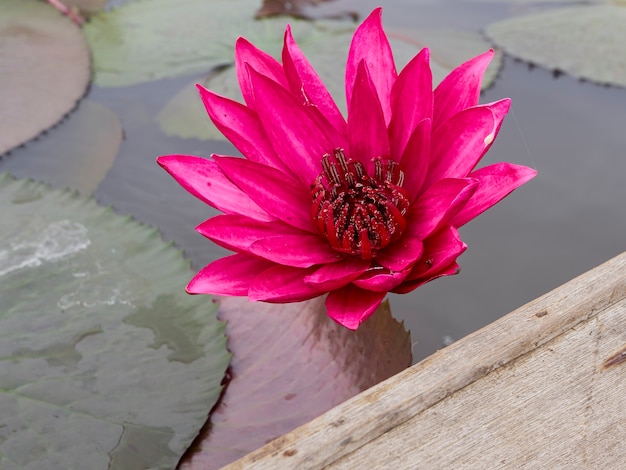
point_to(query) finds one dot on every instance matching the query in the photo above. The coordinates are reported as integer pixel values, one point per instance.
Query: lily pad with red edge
(584, 41)
(291, 363)
(85, 147)
(106, 362)
(44, 64)
(184, 114)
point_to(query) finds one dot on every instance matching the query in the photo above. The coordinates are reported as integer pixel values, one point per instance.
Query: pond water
(569, 219)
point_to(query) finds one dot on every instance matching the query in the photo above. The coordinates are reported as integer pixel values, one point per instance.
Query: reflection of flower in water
(355, 208)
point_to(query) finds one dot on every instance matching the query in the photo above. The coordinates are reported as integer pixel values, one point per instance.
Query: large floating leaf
(584, 41)
(106, 362)
(448, 50)
(44, 69)
(326, 46)
(84, 149)
(291, 363)
(150, 39)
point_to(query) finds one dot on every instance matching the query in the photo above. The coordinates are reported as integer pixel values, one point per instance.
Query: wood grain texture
(530, 387)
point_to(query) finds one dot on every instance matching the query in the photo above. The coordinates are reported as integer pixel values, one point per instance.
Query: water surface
(566, 221)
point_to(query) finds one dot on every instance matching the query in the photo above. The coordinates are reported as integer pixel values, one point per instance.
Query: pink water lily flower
(354, 208)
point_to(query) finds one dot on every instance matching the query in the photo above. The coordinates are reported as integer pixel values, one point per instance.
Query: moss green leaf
(44, 69)
(150, 39)
(106, 362)
(584, 41)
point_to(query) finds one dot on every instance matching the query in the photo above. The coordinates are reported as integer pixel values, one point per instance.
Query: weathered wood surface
(543, 387)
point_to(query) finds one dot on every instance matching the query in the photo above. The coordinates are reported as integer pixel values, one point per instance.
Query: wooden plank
(367, 416)
(556, 407)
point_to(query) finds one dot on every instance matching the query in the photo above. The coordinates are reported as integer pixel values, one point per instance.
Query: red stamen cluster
(358, 214)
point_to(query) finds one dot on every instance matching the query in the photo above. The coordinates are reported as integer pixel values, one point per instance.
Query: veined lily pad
(326, 46)
(584, 41)
(44, 69)
(291, 363)
(106, 362)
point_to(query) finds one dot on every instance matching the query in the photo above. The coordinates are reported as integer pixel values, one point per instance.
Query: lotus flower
(354, 208)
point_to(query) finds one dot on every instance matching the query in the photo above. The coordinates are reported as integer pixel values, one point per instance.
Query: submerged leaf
(104, 358)
(291, 363)
(84, 150)
(184, 114)
(584, 41)
(44, 69)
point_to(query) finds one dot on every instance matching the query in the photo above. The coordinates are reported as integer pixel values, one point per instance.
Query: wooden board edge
(373, 412)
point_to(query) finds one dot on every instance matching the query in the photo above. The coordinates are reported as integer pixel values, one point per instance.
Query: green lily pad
(448, 50)
(106, 362)
(44, 69)
(291, 363)
(584, 41)
(142, 41)
(326, 46)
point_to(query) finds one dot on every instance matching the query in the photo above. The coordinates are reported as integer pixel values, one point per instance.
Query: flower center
(359, 214)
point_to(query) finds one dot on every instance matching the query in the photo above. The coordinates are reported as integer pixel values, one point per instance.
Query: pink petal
(367, 133)
(410, 286)
(350, 306)
(299, 251)
(438, 205)
(401, 254)
(439, 259)
(335, 275)
(411, 101)
(370, 44)
(305, 83)
(440, 251)
(247, 54)
(205, 180)
(281, 196)
(237, 233)
(383, 281)
(415, 159)
(296, 135)
(231, 275)
(242, 127)
(494, 183)
(460, 143)
(460, 89)
(500, 109)
(283, 284)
